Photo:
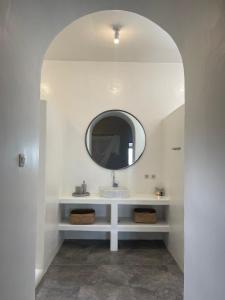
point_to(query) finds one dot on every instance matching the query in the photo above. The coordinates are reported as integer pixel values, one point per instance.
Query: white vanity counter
(138, 199)
(115, 224)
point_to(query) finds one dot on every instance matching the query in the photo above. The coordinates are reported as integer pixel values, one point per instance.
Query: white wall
(42, 190)
(26, 29)
(173, 179)
(205, 155)
(53, 174)
(50, 177)
(82, 90)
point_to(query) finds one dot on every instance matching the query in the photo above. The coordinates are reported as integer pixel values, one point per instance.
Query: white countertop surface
(133, 199)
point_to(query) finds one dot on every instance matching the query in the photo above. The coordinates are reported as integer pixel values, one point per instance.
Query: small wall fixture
(21, 160)
(116, 30)
(176, 148)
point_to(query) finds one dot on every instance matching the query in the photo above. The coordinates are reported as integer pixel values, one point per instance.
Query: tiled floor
(87, 270)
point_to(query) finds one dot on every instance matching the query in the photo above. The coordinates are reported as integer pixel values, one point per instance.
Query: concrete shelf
(115, 225)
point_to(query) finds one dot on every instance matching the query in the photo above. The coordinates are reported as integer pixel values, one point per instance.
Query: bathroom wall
(82, 90)
(42, 184)
(53, 175)
(173, 178)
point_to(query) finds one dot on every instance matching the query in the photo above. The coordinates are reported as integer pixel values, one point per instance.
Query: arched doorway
(198, 29)
(114, 86)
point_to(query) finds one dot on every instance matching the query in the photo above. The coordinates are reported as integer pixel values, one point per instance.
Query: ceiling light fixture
(116, 30)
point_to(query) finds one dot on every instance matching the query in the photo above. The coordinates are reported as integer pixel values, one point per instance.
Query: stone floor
(87, 270)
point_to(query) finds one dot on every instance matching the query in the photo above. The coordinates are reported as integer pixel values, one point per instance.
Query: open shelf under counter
(137, 199)
(101, 224)
(128, 225)
(114, 206)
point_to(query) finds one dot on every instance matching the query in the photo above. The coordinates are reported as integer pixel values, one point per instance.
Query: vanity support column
(114, 223)
(114, 215)
(114, 240)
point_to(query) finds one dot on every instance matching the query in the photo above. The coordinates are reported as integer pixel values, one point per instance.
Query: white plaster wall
(79, 91)
(82, 90)
(53, 168)
(173, 179)
(42, 188)
(26, 29)
(50, 177)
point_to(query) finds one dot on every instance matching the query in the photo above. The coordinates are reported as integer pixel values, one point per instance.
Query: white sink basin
(114, 192)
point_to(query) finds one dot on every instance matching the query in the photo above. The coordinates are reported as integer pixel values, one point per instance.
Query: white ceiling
(90, 38)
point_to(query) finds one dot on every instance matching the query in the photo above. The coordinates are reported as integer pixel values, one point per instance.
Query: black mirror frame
(108, 111)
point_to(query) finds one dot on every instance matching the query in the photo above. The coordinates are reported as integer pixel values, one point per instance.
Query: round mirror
(115, 139)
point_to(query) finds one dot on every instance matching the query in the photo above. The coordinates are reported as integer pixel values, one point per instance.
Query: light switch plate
(21, 160)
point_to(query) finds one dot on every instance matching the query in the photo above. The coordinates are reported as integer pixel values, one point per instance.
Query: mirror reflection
(115, 139)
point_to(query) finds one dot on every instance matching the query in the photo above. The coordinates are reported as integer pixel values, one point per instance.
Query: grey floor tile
(57, 294)
(84, 270)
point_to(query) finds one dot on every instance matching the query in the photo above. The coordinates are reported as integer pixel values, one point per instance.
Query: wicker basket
(145, 215)
(82, 216)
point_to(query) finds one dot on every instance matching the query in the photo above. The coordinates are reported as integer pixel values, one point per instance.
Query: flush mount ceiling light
(116, 29)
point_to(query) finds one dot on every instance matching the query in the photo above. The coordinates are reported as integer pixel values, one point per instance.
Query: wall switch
(21, 160)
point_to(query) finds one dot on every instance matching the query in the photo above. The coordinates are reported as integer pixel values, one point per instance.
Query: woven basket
(145, 215)
(82, 216)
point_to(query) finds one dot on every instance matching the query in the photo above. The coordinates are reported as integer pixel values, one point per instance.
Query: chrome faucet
(114, 183)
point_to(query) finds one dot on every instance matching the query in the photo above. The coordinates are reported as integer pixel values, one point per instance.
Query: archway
(165, 35)
(26, 31)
